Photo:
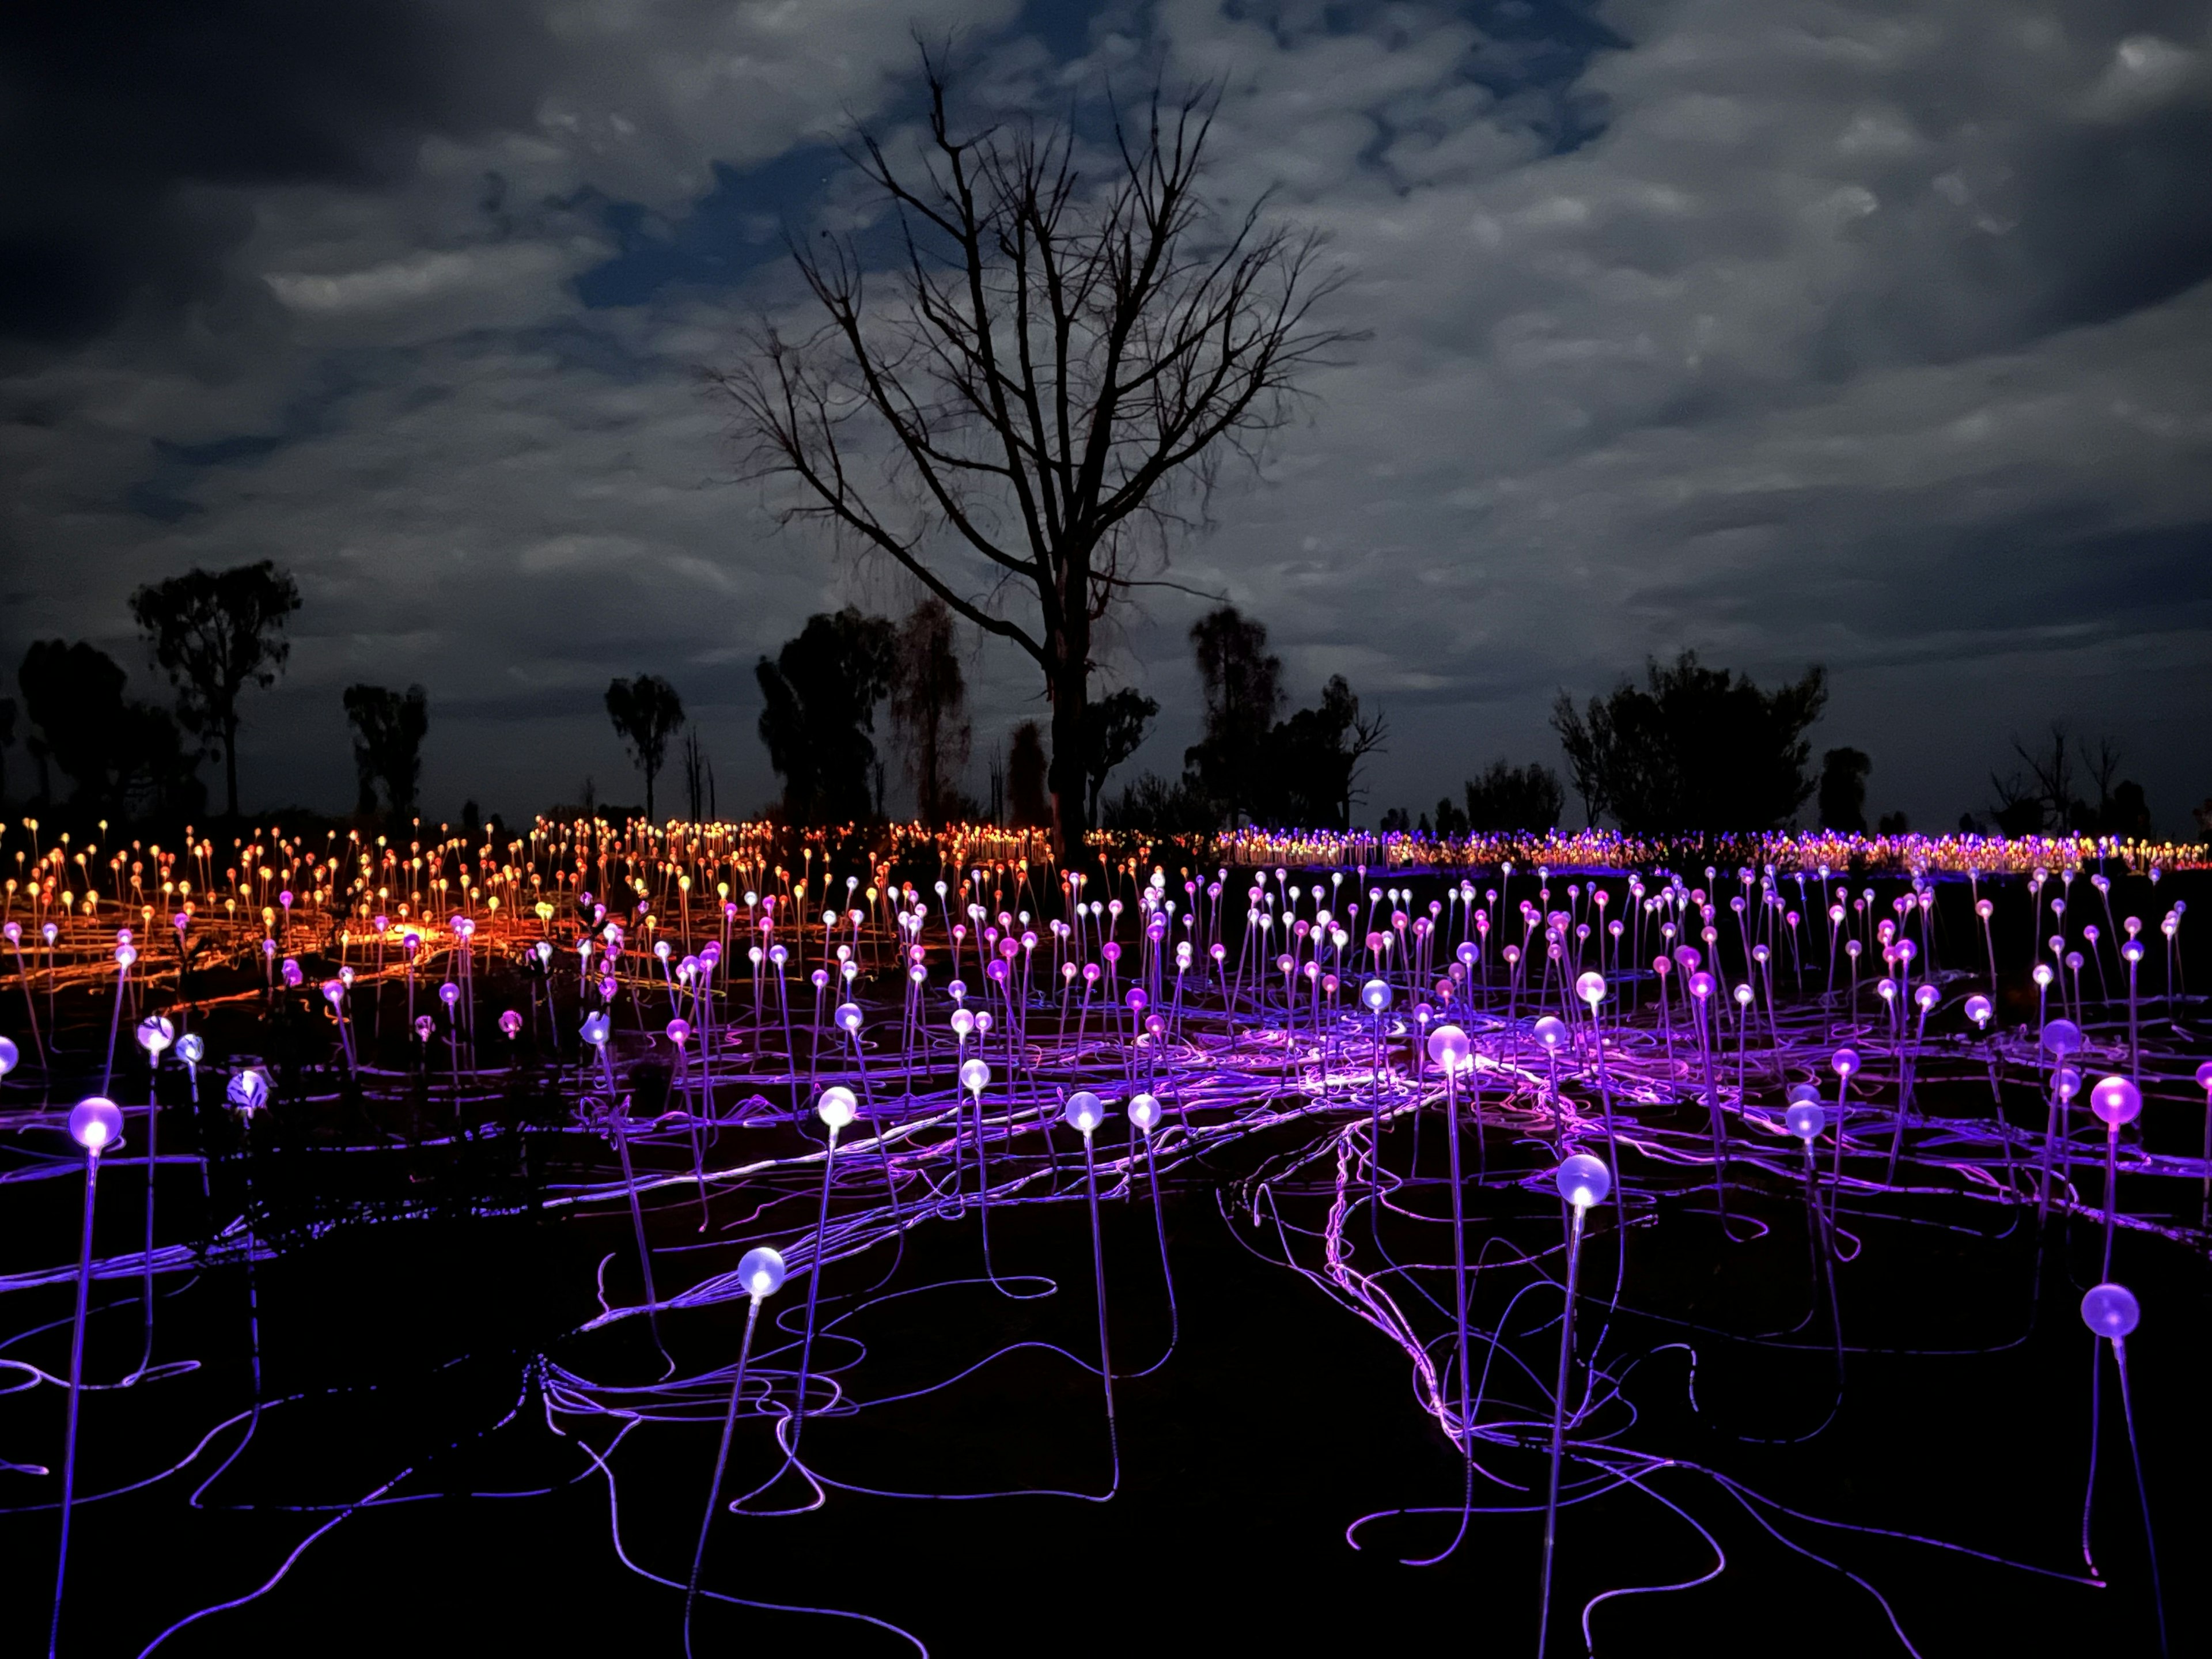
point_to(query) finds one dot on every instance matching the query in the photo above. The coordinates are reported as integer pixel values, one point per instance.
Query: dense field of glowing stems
(1464, 1090)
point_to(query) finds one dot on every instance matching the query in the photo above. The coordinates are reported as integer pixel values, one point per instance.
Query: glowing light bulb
(96, 1123)
(1583, 1181)
(155, 1034)
(1845, 1061)
(1551, 1032)
(1144, 1111)
(1083, 1111)
(975, 1076)
(836, 1108)
(761, 1271)
(1591, 987)
(2061, 1036)
(1375, 995)
(1450, 1048)
(2116, 1101)
(2111, 1311)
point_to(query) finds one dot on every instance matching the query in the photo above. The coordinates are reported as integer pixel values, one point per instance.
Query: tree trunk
(1070, 687)
(230, 763)
(648, 795)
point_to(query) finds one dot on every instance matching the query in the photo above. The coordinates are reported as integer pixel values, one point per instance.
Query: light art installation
(1465, 1102)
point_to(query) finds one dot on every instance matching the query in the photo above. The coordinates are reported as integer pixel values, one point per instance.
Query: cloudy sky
(1873, 335)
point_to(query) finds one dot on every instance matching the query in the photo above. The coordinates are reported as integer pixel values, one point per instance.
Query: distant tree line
(1687, 748)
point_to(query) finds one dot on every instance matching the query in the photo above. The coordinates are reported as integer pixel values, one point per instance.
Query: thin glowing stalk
(2142, 1493)
(75, 1388)
(146, 1290)
(637, 1225)
(1459, 1272)
(721, 1463)
(1713, 1103)
(1098, 1281)
(813, 1292)
(698, 1146)
(115, 1023)
(2111, 1192)
(1559, 1423)
(30, 1005)
(2052, 1125)
(1160, 1226)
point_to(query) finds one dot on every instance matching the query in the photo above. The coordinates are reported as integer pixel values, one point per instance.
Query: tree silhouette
(1242, 689)
(1693, 748)
(1113, 728)
(646, 712)
(214, 633)
(929, 708)
(1510, 798)
(1062, 366)
(821, 693)
(1307, 767)
(73, 696)
(388, 729)
(121, 757)
(1843, 790)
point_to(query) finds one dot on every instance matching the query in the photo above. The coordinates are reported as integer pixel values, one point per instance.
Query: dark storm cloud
(110, 114)
(1787, 330)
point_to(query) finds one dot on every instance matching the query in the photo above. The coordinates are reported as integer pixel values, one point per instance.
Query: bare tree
(2052, 773)
(1062, 365)
(695, 771)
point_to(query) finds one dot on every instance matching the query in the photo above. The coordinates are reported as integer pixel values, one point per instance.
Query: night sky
(1878, 336)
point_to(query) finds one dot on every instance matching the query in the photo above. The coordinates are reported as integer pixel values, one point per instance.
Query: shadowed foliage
(647, 712)
(214, 633)
(388, 729)
(929, 710)
(819, 723)
(1693, 748)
